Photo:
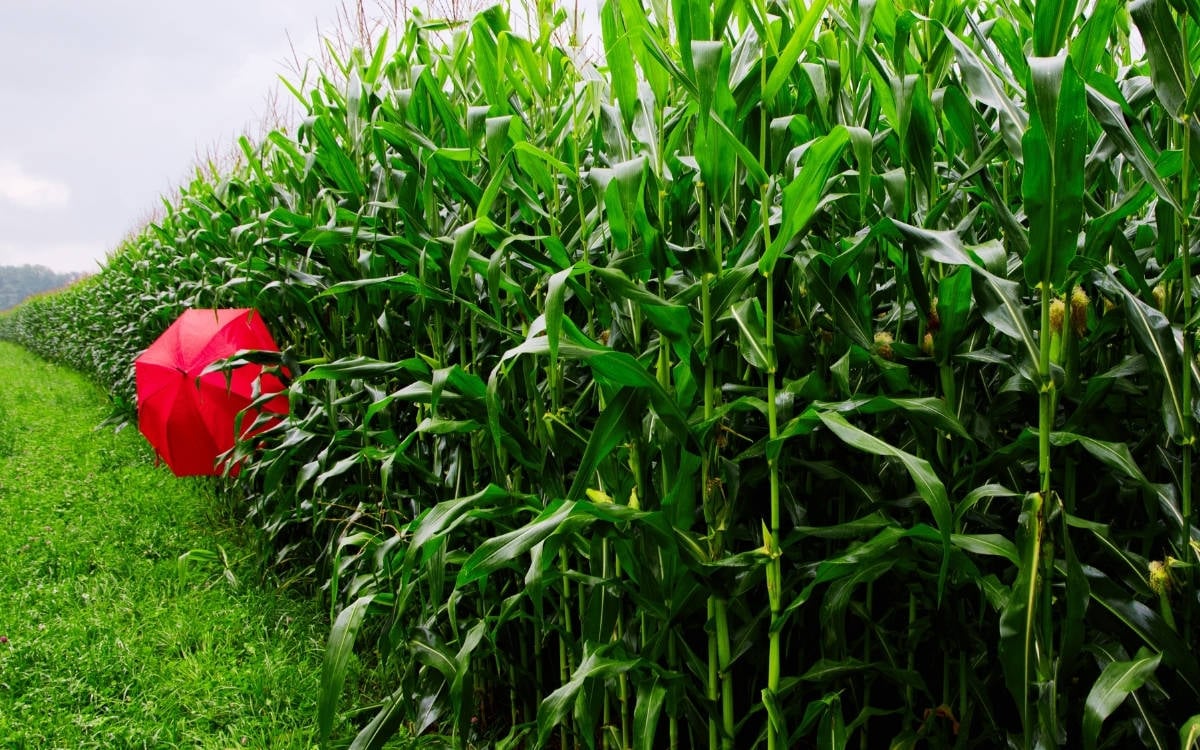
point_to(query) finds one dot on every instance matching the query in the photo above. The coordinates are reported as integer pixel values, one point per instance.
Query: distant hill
(17, 283)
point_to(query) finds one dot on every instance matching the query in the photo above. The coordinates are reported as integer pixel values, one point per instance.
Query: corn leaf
(930, 488)
(1052, 187)
(1112, 687)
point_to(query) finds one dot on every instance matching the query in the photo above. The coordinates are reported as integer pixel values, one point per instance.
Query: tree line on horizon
(19, 283)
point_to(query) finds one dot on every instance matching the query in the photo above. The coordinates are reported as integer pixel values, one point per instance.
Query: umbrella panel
(190, 418)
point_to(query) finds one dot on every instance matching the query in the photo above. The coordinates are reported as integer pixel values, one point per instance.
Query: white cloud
(28, 190)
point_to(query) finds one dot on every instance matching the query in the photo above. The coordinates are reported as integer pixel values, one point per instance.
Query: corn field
(802, 375)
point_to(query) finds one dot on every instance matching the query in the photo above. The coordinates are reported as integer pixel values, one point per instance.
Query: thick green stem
(1185, 240)
(720, 677)
(1041, 576)
(1027, 652)
(868, 633)
(565, 666)
(1045, 397)
(714, 675)
(911, 663)
(775, 566)
(725, 661)
(714, 671)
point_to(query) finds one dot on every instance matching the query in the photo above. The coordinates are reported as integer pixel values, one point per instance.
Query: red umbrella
(189, 417)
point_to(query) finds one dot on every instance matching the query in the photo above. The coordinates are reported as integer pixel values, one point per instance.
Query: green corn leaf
(987, 544)
(337, 660)
(484, 59)
(1078, 596)
(556, 290)
(978, 494)
(953, 309)
(711, 63)
(1018, 619)
(621, 414)
(986, 87)
(1088, 46)
(619, 55)
(853, 559)
(752, 341)
(803, 195)
(999, 299)
(728, 140)
(1189, 733)
(615, 368)
(334, 159)
(930, 488)
(556, 706)
(831, 734)
(446, 515)
(1160, 33)
(503, 550)
(840, 593)
(691, 25)
(929, 410)
(362, 367)
(1156, 338)
(464, 236)
(433, 654)
(1052, 22)
(673, 320)
(455, 667)
(917, 126)
(842, 301)
(382, 727)
(1112, 687)
(790, 54)
(636, 24)
(1147, 625)
(651, 694)
(1110, 116)
(775, 713)
(1115, 456)
(1052, 187)
(400, 283)
(656, 50)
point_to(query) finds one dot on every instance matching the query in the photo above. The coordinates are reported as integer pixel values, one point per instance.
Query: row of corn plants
(804, 375)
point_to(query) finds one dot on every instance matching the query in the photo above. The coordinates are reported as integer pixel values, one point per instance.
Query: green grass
(113, 640)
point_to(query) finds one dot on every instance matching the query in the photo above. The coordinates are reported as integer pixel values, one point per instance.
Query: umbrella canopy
(189, 417)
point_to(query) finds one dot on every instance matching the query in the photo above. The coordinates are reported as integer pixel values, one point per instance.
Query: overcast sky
(108, 103)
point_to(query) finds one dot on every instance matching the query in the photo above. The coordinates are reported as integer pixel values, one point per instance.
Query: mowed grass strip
(132, 613)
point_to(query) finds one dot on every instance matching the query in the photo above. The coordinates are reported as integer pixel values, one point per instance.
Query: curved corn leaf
(790, 54)
(752, 340)
(802, 196)
(998, 298)
(622, 414)
(987, 544)
(930, 488)
(1156, 338)
(1112, 687)
(555, 707)
(1163, 44)
(651, 694)
(336, 663)
(1189, 733)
